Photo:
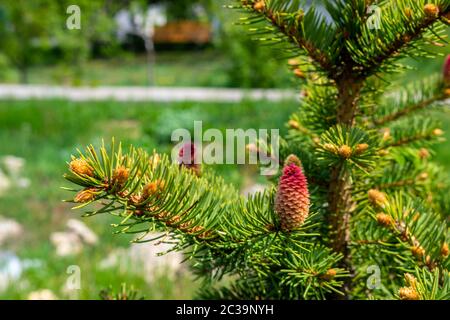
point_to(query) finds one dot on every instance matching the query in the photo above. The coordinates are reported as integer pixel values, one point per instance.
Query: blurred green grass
(204, 68)
(191, 68)
(194, 68)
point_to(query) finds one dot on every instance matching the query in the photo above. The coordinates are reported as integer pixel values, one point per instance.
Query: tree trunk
(23, 74)
(341, 204)
(151, 60)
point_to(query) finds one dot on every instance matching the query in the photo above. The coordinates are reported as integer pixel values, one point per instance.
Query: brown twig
(294, 37)
(401, 41)
(407, 110)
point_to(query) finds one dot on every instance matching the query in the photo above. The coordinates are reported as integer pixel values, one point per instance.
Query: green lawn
(190, 68)
(194, 68)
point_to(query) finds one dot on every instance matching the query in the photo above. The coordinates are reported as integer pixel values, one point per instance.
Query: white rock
(71, 242)
(23, 183)
(14, 165)
(143, 259)
(12, 267)
(9, 229)
(66, 243)
(79, 228)
(44, 294)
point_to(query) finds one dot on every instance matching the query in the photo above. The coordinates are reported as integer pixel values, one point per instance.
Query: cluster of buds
(259, 5)
(384, 219)
(81, 167)
(361, 148)
(293, 124)
(418, 251)
(152, 188)
(294, 64)
(329, 275)
(345, 151)
(377, 197)
(444, 250)
(416, 248)
(423, 176)
(438, 132)
(186, 227)
(424, 153)
(120, 177)
(410, 291)
(431, 10)
(292, 198)
(408, 13)
(86, 195)
(299, 73)
(386, 134)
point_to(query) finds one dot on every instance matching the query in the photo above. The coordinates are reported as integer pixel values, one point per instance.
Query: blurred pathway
(159, 94)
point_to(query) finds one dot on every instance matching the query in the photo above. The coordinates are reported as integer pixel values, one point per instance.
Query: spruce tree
(358, 211)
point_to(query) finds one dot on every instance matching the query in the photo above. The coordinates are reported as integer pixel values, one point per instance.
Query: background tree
(29, 29)
(25, 26)
(97, 30)
(358, 191)
(185, 9)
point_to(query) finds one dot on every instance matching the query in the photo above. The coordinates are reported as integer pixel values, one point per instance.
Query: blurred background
(45, 247)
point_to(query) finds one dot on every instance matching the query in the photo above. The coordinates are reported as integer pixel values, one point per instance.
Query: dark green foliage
(124, 294)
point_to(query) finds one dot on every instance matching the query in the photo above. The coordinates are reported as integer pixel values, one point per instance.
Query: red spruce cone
(292, 200)
(187, 156)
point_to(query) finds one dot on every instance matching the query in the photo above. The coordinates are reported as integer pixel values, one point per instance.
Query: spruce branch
(409, 110)
(423, 284)
(374, 49)
(148, 189)
(317, 111)
(408, 170)
(315, 272)
(419, 132)
(403, 221)
(222, 233)
(410, 100)
(289, 20)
